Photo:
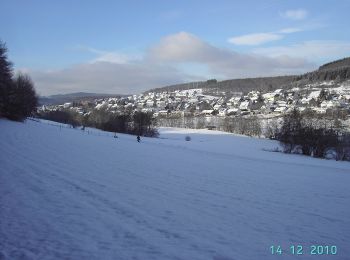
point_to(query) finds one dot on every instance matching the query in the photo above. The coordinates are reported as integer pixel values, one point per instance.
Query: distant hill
(233, 85)
(336, 64)
(337, 70)
(70, 97)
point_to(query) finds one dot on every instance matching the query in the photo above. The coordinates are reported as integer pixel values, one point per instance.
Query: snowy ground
(67, 194)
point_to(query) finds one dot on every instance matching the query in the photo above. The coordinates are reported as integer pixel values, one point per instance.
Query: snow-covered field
(66, 194)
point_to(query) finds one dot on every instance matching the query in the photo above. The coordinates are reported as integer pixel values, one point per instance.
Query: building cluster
(318, 97)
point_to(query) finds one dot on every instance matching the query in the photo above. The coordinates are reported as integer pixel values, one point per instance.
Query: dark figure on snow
(138, 138)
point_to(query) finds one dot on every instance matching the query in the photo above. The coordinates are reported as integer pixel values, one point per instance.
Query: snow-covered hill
(69, 194)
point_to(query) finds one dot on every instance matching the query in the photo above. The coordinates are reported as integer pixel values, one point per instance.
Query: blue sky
(130, 46)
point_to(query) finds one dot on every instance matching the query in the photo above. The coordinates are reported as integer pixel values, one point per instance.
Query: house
(256, 105)
(232, 111)
(244, 106)
(208, 112)
(222, 112)
(149, 103)
(217, 106)
(67, 105)
(161, 104)
(319, 110)
(270, 97)
(280, 109)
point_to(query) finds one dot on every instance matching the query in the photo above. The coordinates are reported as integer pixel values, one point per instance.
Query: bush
(188, 138)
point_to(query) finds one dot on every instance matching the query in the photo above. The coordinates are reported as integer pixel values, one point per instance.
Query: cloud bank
(163, 64)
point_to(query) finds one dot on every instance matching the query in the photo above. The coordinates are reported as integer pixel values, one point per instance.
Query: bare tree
(144, 124)
(21, 99)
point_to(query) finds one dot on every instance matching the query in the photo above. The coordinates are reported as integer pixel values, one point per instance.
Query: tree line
(313, 137)
(250, 126)
(18, 98)
(307, 133)
(136, 123)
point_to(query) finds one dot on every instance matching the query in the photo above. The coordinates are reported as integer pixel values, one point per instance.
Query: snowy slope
(66, 194)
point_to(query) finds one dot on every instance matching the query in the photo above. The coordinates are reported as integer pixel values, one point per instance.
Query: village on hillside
(321, 98)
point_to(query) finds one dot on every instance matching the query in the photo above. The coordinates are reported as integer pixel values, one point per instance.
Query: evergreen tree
(5, 78)
(17, 96)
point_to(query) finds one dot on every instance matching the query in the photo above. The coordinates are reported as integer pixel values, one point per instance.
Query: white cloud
(312, 50)
(255, 38)
(180, 47)
(175, 59)
(112, 57)
(290, 30)
(107, 56)
(261, 38)
(296, 14)
(185, 47)
(107, 77)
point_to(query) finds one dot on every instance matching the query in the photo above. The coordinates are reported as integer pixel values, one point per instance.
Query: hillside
(263, 84)
(336, 64)
(72, 194)
(336, 70)
(71, 97)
